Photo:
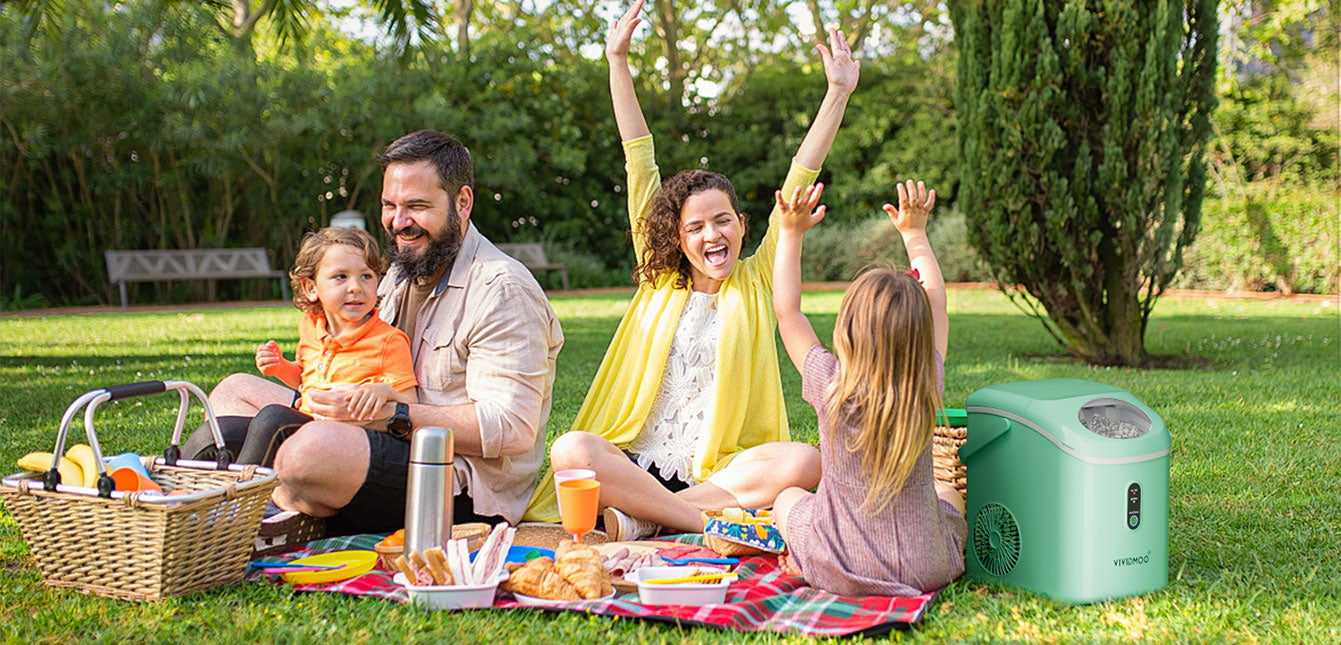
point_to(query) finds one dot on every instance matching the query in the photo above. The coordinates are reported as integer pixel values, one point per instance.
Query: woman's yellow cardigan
(748, 409)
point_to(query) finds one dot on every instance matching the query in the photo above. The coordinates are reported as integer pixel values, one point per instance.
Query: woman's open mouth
(716, 255)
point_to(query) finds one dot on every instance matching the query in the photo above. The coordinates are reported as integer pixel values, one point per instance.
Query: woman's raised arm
(628, 114)
(841, 72)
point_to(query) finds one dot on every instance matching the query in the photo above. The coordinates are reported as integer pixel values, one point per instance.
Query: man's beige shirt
(487, 335)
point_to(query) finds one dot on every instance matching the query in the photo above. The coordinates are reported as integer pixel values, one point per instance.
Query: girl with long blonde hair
(878, 524)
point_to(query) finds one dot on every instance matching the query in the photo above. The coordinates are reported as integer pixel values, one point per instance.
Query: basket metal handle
(89, 401)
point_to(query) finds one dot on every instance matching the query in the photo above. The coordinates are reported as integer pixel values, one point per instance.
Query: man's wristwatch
(398, 425)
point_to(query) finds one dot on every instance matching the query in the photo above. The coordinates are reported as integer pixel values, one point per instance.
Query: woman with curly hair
(686, 411)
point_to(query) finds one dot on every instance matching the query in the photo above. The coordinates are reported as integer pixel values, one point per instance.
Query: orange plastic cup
(129, 480)
(578, 501)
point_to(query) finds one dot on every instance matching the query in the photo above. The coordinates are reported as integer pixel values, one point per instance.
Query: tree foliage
(146, 126)
(1082, 128)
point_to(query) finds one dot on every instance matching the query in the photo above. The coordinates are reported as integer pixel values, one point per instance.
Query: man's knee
(577, 450)
(232, 386)
(318, 449)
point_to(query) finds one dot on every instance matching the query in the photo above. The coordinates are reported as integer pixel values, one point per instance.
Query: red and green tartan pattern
(762, 600)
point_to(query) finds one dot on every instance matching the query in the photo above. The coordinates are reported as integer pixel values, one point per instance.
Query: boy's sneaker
(620, 526)
(285, 530)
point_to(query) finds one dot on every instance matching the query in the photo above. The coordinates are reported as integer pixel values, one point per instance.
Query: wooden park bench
(192, 264)
(533, 256)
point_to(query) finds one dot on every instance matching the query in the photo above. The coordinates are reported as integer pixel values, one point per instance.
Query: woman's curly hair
(661, 225)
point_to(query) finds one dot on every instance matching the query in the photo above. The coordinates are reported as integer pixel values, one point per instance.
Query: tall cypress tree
(1082, 127)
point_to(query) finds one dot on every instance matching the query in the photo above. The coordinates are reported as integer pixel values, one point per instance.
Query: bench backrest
(531, 254)
(132, 266)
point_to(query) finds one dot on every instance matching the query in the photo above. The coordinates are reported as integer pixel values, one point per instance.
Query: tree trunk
(463, 10)
(667, 23)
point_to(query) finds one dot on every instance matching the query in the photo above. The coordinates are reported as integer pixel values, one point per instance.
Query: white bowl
(680, 593)
(452, 596)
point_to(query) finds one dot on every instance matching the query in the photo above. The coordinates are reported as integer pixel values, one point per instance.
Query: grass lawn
(1255, 526)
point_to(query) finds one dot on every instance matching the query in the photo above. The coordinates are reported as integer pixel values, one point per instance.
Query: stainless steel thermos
(428, 490)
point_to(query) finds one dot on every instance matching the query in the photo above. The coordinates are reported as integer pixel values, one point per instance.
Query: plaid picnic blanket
(763, 599)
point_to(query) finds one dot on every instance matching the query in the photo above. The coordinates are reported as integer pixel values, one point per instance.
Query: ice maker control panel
(1133, 505)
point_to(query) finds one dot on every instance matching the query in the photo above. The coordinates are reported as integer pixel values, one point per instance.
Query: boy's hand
(367, 399)
(268, 358)
(914, 203)
(800, 213)
(619, 36)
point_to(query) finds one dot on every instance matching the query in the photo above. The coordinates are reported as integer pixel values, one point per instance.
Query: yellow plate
(351, 563)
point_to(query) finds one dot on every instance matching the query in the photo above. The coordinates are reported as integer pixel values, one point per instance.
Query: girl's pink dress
(912, 546)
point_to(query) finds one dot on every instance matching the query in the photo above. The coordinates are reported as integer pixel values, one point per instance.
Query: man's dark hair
(449, 156)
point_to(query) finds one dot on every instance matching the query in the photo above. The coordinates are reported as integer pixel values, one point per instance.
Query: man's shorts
(379, 504)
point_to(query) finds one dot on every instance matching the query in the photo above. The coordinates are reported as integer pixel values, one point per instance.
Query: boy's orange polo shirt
(374, 352)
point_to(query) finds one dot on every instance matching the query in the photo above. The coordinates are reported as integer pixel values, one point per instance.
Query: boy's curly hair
(313, 248)
(661, 225)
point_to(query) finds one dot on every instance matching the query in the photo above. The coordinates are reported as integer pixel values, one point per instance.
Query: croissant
(581, 566)
(538, 578)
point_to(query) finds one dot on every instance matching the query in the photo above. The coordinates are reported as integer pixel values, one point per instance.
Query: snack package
(736, 532)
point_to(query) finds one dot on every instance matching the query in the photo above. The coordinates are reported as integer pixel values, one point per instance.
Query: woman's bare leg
(624, 485)
(752, 480)
(755, 477)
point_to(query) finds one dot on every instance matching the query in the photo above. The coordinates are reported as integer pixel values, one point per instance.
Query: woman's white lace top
(684, 403)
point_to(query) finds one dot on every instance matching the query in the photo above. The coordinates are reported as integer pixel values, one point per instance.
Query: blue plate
(521, 554)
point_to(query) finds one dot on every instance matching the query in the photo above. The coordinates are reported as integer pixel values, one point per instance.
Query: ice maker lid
(1114, 418)
(1093, 422)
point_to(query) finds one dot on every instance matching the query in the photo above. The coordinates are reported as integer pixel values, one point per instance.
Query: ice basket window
(1114, 419)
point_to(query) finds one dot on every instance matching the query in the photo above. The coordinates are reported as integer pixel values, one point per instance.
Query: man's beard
(440, 252)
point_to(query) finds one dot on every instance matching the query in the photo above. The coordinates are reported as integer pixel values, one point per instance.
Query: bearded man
(483, 340)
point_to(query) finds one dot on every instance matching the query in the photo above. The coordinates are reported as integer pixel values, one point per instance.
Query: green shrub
(585, 270)
(837, 251)
(1269, 237)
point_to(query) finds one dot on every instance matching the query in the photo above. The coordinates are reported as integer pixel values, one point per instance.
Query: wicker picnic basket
(945, 464)
(142, 546)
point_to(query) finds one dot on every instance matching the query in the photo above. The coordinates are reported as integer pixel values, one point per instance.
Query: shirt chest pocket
(444, 360)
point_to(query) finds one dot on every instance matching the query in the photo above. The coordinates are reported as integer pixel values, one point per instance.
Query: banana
(40, 462)
(82, 454)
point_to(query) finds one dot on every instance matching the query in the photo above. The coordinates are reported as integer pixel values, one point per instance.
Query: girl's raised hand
(619, 36)
(839, 67)
(914, 204)
(802, 211)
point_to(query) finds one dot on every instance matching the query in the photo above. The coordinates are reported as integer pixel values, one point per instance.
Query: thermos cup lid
(431, 445)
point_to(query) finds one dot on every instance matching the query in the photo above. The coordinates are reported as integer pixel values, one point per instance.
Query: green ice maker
(1068, 490)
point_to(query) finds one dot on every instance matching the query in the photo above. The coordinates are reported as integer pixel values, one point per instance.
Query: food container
(741, 532)
(474, 533)
(452, 596)
(682, 593)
